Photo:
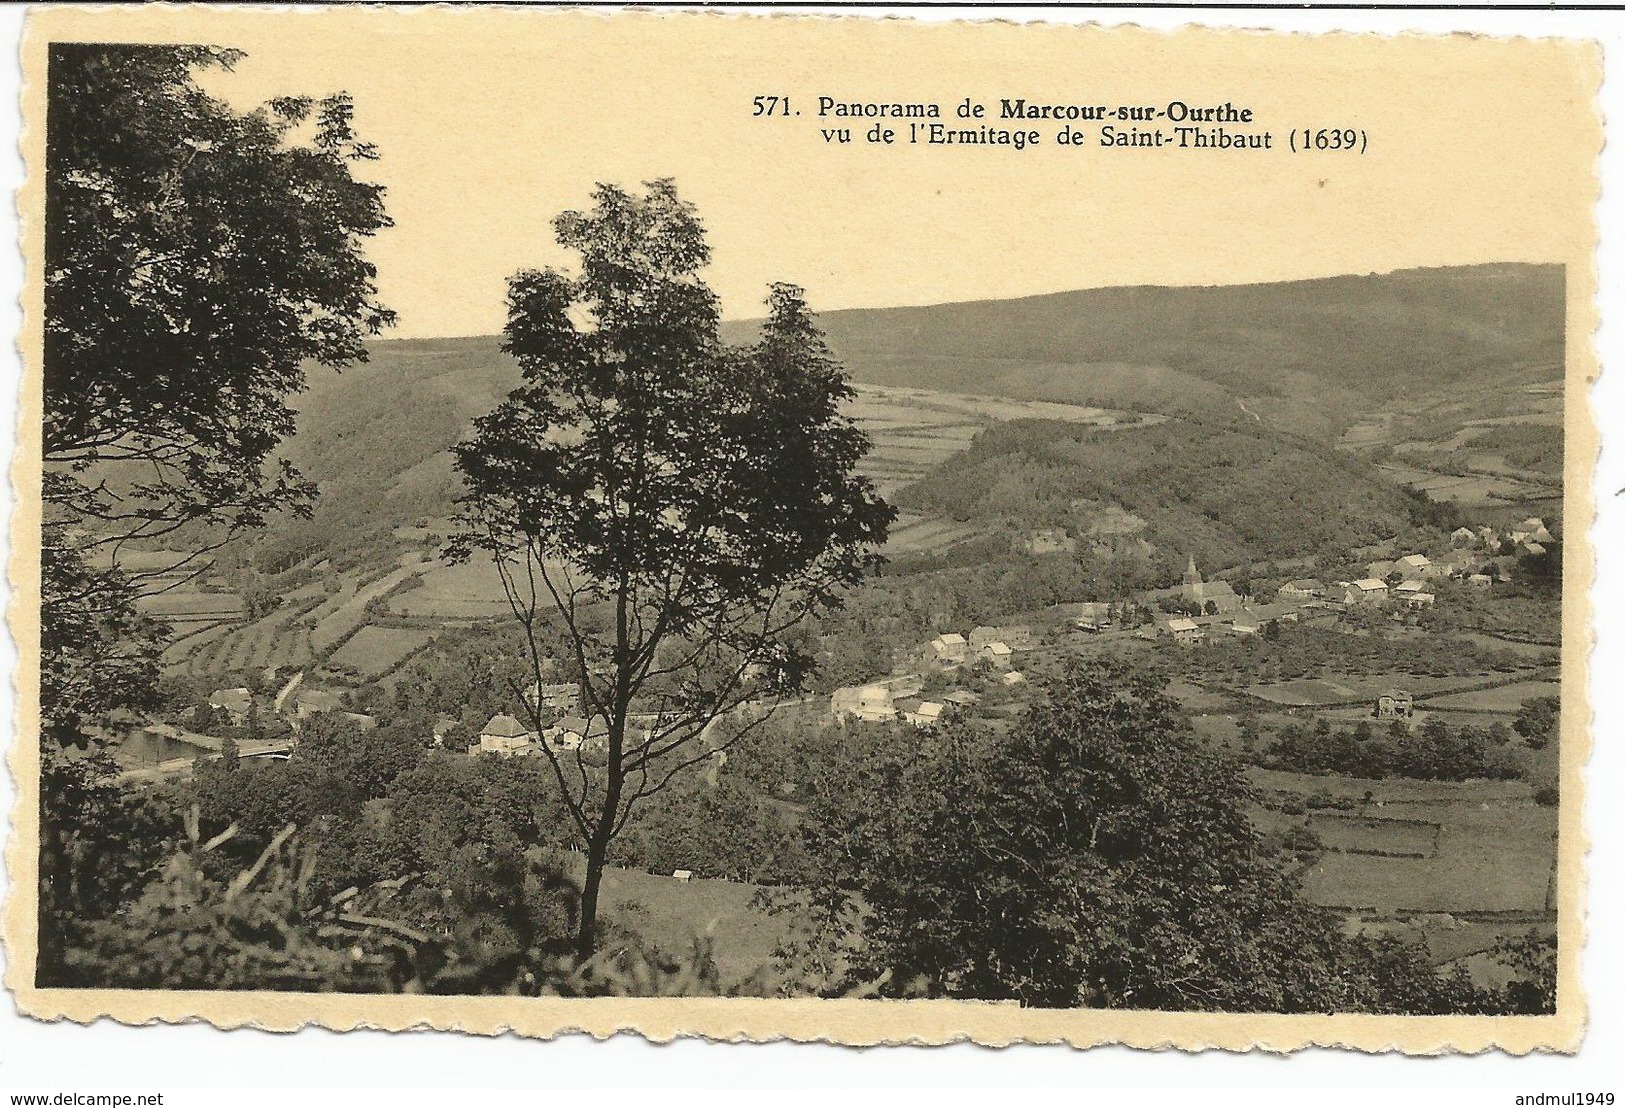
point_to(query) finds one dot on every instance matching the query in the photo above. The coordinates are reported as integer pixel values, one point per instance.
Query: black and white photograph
(1045, 541)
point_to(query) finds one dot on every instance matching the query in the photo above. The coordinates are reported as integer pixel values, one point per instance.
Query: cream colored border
(849, 1022)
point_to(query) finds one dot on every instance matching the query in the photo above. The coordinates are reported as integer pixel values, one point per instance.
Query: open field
(1473, 490)
(1398, 795)
(1493, 848)
(915, 429)
(1309, 692)
(373, 650)
(1506, 699)
(914, 533)
(472, 590)
(1497, 859)
(181, 607)
(1398, 838)
(345, 617)
(673, 914)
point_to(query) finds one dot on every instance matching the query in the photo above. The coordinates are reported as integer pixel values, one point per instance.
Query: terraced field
(916, 429)
(376, 650)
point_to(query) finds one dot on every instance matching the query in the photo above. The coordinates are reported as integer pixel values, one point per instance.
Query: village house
(1418, 600)
(871, 703)
(1013, 678)
(1184, 631)
(1480, 580)
(1395, 704)
(1463, 536)
(1537, 529)
(950, 649)
(309, 702)
(1089, 615)
(995, 653)
(1367, 590)
(1304, 589)
(574, 732)
(559, 699)
(1017, 636)
(443, 726)
(1420, 565)
(1408, 588)
(234, 702)
(920, 713)
(503, 735)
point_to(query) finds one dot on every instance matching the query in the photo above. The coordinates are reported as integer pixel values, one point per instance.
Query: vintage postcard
(775, 526)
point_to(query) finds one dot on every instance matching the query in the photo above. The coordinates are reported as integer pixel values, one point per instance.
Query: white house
(503, 735)
(950, 649)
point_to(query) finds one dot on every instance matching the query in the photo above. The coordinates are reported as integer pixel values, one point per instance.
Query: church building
(1222, 596)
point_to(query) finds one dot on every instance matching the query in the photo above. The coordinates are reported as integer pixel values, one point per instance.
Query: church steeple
(1192, 577)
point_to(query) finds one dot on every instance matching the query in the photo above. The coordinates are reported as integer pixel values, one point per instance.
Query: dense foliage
(1096, 856)
(1434, 751)
(196, 259)
(1227, 493)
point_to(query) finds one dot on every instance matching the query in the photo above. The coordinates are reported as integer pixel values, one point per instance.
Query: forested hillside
(377, 441)
(1227, 493)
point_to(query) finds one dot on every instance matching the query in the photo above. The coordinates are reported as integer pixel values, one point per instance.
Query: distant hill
(1307, 356)
(1314, 352)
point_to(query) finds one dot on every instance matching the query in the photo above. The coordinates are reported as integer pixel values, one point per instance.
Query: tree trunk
(587, 927)
(598, 843)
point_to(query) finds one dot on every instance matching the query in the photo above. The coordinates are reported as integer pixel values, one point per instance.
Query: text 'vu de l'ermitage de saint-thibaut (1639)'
(1022, 123)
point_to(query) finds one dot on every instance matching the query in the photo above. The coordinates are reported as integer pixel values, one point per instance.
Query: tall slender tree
(675, 506)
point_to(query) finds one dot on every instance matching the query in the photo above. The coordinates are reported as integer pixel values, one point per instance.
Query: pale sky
(489, 124)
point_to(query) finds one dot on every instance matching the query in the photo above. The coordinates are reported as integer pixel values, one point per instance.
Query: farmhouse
(1395, 704)
(921, 713)
(1418, 600)
(1463, 536)
(1016, 637)
(234, 702)
(1481, 580)
(310, 702)
(1013, 678)
(574, 732)
(1536, 527)
(995, 653)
